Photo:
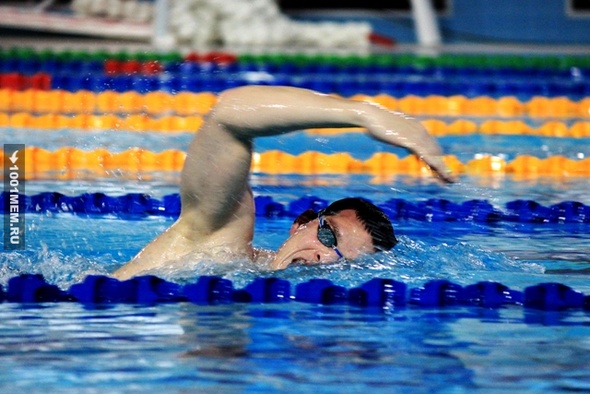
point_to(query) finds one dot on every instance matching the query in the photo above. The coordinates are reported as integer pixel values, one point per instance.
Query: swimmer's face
(305, 247)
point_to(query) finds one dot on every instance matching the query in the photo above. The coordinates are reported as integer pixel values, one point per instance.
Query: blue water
(65, 247)
(516, 254)
(247, 348)
(296, 347)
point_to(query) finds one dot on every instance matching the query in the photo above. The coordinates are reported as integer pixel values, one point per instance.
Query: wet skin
(217, 203)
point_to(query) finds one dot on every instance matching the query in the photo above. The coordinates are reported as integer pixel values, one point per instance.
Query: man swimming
(217, 203)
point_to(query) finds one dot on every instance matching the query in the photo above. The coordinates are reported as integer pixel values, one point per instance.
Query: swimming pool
(505, 222)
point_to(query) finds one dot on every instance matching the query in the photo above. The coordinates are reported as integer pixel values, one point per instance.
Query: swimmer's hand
(398, 129)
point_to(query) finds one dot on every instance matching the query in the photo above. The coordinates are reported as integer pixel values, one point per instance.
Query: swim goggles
(326, 234)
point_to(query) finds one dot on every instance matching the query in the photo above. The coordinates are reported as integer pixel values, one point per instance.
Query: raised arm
(262, 111)
(215, 177)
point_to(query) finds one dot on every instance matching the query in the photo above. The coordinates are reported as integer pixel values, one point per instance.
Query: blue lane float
(140, 205)
(324, 292)
(343, 83)
(30, 66)
(214, 290)
(345, 79)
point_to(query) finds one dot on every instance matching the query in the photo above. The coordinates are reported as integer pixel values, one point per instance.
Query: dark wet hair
(374, 220)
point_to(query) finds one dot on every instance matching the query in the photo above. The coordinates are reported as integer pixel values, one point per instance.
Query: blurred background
(289, 24)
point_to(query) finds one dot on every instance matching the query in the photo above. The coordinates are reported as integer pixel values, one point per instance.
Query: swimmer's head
(373, 219)
(346, 229)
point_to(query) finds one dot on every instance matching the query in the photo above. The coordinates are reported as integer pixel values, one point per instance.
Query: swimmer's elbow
(237, 112)
(238, 99)
(228, 107)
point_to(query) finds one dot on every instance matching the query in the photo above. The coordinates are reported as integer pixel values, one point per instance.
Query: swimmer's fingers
(428, 150)
(426, 147)
(416, 138)
(437, 164)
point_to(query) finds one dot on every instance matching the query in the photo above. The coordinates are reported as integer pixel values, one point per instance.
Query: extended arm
(215, 177)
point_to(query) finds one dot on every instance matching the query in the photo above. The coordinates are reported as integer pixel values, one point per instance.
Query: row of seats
(188, 103)
(68, 162)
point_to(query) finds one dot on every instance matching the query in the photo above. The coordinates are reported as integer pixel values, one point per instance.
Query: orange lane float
(516, 127)
(68, 162)
(554, 129)
(435, 127)
(191, 103)
(486, 165)
(185, 103)
(584, 108)
(157, 102)
(412, 105)
(44, 101)
(386, 101)
(580, 129)
(191, 123)
(107, 102)
(483, 106)
(456, 105)
(382, 163)
(510, 107)
(526, 163)
(462, 127)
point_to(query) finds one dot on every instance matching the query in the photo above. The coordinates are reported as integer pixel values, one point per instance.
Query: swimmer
(217, 203)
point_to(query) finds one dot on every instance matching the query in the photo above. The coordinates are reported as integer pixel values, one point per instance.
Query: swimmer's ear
(304, 218)
(294, 228)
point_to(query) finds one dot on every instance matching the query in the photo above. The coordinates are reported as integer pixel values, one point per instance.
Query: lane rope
(184, 103)
(378, 293)
(138, 205)
(191, 124)
(71, 163)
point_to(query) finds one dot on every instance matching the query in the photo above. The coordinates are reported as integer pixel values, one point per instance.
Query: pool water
(509, 252)
(295, 346)
(516, 254)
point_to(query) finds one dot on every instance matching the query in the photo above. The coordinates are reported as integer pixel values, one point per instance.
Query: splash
(413, 262)
(56, 268)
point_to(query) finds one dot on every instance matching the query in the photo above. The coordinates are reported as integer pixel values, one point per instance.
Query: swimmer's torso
(180, 243)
